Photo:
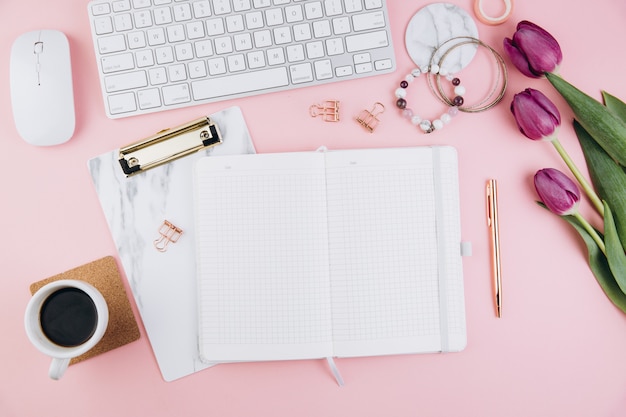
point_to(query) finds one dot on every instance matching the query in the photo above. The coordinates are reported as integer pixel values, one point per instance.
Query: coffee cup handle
(58, 367)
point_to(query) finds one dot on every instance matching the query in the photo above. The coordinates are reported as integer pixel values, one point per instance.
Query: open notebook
(329, 254)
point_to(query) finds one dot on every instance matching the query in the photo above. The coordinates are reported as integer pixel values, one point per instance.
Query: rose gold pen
(494, 229)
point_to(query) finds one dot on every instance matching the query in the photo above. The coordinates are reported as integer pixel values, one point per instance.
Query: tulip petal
(518, 59)
(557, 191)
(614, 249)
(540, 48)
(599, 266)
(536, 116)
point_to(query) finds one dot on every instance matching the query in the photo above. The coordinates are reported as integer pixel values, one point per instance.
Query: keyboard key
(149, 99)
(103, 25)
(125, 81)
(240, 83)
(217, 66)
(176, 94)
(140, 4)
(197, 69)
(323, 70)
(321, 28)
(115, 63)
(182, 12)
(144, 58)
(363, 68)
(294, 13)
(136, 40)
(121, 6)
(373, 4)
(221, 7)
(274, 17)
(383, 64)
(256, 60)
(301, 73)
(366, 41)
(236, 63)
(123, 22)
(164, 55)
(234, 23)
(201, 9)
(367, 21)
(203, 48)
(295, 53)
(142, 19)
(275, 56)
(353, 6)
(163, 16)
(111, 44)
(156, 37)
(122, 103)
(241, 5)
(313, 10)
(100, 9)
(158, 76)
(177, 72)
(344, 71)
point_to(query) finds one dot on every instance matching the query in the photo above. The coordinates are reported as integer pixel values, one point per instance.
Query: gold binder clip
(369, 118)
(168, 233)
(168, 145)
(328, 110)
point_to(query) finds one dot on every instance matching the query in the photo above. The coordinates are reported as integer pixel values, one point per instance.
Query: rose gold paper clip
(168, 233)
(369, 118)
(327, 110)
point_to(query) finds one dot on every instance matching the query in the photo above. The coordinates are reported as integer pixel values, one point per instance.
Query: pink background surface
(558, 350)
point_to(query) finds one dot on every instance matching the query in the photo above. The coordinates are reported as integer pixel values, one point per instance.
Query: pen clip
(491, 202)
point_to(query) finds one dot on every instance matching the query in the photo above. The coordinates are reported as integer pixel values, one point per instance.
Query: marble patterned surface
(433, 28)
(163, 283)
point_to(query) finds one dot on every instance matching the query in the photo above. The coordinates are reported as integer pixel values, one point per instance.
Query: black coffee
(68, 317)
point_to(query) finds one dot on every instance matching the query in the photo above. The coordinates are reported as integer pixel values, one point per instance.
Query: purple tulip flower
(532, 50)
(557, 191)
(536, 116)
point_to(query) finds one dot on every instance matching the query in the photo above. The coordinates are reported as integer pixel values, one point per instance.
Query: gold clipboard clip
(168, 145)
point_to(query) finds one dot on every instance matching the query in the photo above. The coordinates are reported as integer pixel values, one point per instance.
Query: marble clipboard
(163, 283)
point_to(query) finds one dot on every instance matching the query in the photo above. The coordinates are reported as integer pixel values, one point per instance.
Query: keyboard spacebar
(239, 83)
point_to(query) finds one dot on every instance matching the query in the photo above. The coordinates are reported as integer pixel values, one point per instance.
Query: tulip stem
(595, 200)
(592, 232)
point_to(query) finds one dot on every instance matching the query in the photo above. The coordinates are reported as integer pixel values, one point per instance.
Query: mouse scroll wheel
(38, 48)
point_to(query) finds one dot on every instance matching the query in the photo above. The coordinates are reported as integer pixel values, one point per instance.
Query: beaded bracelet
(424, 124)
(499, 86)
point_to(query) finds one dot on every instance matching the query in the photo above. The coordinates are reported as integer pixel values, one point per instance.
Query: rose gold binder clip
(369, 118)
(327, 110)
(168, 233)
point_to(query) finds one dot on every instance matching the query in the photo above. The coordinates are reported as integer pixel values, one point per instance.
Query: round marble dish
(431, 27)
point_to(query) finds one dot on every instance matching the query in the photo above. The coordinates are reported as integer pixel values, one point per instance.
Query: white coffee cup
(43, 339)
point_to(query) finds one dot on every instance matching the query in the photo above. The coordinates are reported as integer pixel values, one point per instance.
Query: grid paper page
(270, 215)
(384, 255)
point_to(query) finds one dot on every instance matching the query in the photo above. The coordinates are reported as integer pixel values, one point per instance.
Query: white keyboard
(157, 55)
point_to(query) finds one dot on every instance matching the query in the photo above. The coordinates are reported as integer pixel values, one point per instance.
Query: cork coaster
(104, 275)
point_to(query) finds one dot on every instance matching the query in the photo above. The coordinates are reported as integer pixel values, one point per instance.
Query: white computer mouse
(42, 93)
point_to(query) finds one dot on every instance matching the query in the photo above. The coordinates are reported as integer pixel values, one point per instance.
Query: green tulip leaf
(598, 265)
(608, 178)
(614, 249)
(617, 106)
(603, 126)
